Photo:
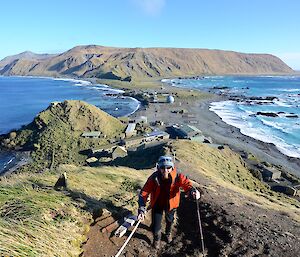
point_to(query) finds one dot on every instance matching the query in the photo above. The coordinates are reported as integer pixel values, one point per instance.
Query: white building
(130, 130)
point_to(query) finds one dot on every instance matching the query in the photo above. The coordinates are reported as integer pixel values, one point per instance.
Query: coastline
(109, 90)
(92, 82)
(17, 159)
(223, 133)
(212, 126)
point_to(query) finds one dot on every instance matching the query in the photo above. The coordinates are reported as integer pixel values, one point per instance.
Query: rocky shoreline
(220, 132)
(16, 159)
(208, 122)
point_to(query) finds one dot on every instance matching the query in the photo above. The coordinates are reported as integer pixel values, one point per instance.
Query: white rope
(127, 240)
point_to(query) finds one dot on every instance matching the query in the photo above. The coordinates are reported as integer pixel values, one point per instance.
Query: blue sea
(250, 95)
(22, 98)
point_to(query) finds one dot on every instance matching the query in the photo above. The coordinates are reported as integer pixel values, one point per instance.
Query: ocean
(22, 98)
(263, 107)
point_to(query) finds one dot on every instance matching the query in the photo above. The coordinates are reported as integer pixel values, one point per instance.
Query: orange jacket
(152, 188)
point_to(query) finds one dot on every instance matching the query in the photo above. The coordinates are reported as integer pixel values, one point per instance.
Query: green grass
(144, 86)
(155, 84)
(29, 223)
(36, 220)
(227, 169)
(55, 135)
(136, 84)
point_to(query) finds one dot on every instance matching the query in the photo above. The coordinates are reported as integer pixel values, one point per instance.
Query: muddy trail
(232, 226)
(186, 234)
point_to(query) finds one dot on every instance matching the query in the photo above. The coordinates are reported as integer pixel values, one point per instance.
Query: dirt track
(232, 225)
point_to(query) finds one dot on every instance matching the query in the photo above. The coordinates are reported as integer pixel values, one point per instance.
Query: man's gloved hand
(141, 213)
(195, 194)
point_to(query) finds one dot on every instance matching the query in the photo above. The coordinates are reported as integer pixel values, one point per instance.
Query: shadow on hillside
(140, 159)
(87, 203)
(96, 207)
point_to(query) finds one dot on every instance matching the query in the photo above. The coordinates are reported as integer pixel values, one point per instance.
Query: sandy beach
(218, 131)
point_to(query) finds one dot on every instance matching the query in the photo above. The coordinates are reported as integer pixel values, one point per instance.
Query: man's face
(165, 170)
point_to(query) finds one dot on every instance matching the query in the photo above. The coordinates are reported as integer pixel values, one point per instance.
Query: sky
(251, 26)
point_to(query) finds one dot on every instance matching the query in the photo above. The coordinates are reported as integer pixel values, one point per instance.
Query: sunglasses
(166, 167)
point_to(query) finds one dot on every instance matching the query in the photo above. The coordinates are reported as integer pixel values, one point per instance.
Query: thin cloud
(150, 7)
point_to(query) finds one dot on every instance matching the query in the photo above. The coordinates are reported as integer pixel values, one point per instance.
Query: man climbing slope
(163, 186)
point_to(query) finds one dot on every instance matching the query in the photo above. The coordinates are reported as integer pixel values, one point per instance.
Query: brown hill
(27, 55)
(140, 63)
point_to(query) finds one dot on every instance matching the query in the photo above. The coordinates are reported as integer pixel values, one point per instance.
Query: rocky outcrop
(137, 63)
(268, 114)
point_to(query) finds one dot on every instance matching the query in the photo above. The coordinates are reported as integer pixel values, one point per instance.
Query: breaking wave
(249, 126)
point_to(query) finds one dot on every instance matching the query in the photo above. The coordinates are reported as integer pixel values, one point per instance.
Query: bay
(22, 98)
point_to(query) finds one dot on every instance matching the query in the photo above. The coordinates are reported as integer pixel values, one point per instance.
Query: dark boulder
(268, 114)
(292, 116)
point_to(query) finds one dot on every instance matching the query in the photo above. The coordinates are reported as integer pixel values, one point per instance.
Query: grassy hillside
(54, 137)
(36, 220)
(226, 168)
(127, 64)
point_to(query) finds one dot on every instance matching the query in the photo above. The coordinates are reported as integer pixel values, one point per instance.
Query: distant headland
(134, 64)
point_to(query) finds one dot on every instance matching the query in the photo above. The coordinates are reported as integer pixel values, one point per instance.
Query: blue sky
(252, 26)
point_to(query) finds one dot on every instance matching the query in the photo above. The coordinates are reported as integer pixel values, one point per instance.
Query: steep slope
(140, 63)
(24, 56)
(36, 220)
(240, 215)
(55, 134)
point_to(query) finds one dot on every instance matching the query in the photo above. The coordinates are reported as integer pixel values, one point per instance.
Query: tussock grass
(29, 225)
(226, 168)
(54, 137)
(36, 220)
(114, 184)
